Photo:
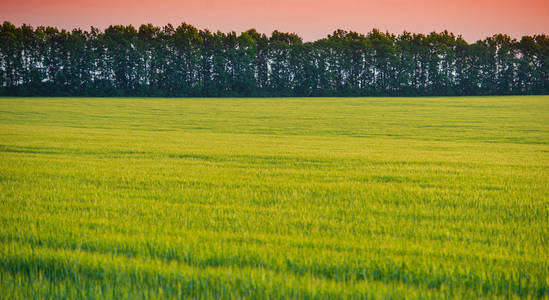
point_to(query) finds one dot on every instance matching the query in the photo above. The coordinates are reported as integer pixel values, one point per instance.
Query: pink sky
(474, 19)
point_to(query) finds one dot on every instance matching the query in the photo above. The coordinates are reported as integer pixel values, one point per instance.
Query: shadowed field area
(279, 197)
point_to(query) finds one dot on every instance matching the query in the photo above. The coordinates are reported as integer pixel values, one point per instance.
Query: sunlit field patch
(274, 198)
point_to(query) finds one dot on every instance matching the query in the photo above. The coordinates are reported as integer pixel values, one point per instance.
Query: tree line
(185, 61)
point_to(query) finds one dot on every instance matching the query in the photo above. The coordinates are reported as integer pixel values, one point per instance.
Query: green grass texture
(274, 198)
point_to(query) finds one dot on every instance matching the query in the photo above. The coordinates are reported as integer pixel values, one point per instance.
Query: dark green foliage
(185, 61)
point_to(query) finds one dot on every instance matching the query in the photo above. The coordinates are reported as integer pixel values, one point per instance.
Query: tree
(185, 61)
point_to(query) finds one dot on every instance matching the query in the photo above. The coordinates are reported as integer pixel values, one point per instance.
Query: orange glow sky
(474, 19)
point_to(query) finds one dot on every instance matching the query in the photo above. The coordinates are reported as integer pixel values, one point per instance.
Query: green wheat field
(131, 198)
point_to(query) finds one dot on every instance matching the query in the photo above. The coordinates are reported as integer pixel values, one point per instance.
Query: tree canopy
(185, 61)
